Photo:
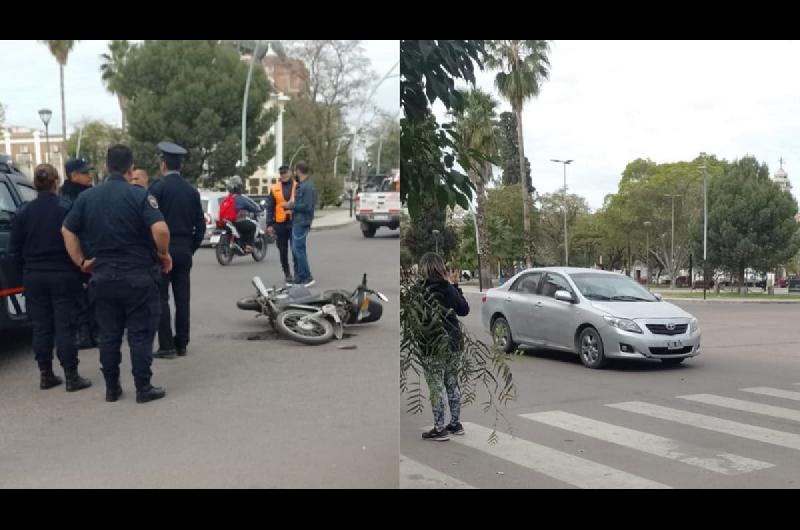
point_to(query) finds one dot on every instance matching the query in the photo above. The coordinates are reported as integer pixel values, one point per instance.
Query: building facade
(31, 147)
(781, 178)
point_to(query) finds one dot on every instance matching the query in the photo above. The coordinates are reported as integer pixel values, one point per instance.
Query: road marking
(746, 406)
(414, 475)
(562, 466)
(742, 430)
(725, 463)
(774, 392)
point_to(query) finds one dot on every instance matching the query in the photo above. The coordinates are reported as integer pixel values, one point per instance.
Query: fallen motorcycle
(300, 315)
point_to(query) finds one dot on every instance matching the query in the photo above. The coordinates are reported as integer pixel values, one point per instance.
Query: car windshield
(611, 287)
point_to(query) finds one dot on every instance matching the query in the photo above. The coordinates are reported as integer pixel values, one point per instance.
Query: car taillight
(483, 299)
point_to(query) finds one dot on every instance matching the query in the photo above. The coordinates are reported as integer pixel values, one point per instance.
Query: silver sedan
(598, 315)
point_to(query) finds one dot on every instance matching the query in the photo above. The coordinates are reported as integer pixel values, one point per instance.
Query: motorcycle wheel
(314, 331)
(224, 251)
(260, 249)
(249, 303)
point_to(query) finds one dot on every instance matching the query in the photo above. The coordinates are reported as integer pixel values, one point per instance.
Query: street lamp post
(295, 154)
(566, 243)
(244, 103)
(436, 238)
(361, 115)
(647, 249)
(45, 115)
(672, 249)
(705, 225)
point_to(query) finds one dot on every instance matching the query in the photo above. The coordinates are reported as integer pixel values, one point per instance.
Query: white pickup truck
(379, 205)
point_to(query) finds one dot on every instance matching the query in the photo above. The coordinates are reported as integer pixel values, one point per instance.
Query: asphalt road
(244, 409)
(691, 426)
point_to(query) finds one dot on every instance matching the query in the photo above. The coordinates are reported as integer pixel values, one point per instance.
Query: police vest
(277, 191)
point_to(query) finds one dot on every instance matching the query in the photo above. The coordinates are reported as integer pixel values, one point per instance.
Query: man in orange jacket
(279, 221)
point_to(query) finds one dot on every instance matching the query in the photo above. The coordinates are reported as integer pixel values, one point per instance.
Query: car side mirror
(658, 296)
(564, 296)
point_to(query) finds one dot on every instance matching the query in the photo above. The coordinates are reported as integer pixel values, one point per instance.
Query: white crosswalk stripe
(414, 475)
(562, 466)
(724, 463)
(773, 392)
(702, 421)
(745, 406)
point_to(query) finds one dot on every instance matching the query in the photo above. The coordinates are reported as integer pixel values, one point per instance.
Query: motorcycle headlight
(624, 324)
(693, 327)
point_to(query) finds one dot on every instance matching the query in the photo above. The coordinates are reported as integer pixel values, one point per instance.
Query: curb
(331, 227)
(732, 301)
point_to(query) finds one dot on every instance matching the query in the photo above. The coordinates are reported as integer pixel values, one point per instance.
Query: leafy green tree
(190, 92)
(419, 238)
(477, 148)
(751, 222)
(96, 137)
(110, 70)
(509, 151)
(524, 66)
(429, 69)
(386, 135)
(61, 50)
(339, 74)
(550, 248)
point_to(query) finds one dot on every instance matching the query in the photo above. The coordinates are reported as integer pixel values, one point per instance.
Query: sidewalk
(330, 218)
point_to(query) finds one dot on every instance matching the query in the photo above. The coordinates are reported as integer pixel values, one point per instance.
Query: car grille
(661, 329)
(667, 351)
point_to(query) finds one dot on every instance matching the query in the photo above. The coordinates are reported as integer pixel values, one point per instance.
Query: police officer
(79, 179)
(279, 221)
(51, 280)
(120, 223)
(180, 204)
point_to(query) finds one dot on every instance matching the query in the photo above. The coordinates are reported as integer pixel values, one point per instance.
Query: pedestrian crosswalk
(722, 415)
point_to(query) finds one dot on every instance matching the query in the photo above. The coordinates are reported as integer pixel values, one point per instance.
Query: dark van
(794, 285)
(15, 189)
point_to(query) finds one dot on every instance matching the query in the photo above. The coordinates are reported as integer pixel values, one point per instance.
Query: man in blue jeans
(302, 207)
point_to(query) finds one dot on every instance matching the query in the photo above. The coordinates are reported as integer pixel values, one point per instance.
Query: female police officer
(51, 281)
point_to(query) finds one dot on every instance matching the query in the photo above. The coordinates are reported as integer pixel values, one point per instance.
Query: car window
(6, 200)
(615, 287)
(26, 193)
(528, 283)
(553, 283)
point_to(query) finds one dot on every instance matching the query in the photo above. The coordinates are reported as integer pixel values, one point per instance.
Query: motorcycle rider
(236, 209)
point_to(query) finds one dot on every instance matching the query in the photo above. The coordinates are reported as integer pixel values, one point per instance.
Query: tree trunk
(526, 215)
(122, 109)
(63, 111)
(740, 274)
(483, 232)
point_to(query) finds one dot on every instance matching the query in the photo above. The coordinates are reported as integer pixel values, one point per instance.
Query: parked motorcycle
(300, 315)
(227, 243)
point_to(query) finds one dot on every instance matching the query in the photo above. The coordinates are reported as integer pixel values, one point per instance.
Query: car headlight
(624, 324)
(693, 325)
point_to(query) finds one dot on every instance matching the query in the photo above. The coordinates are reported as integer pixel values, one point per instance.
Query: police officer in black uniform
(78, 178)
(120, 223)
(180, 204)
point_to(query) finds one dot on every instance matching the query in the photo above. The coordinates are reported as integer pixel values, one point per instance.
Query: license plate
(674, 345)
(381, 218)
(215, 239)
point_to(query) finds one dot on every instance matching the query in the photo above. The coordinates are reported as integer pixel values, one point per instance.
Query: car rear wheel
(501, 333)
(590, 349)
(673, 361)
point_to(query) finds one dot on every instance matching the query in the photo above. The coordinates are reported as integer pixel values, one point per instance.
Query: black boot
(74, 381)
(181, 351)
(113, 391)
(49, 380)
(84, 339)
(149, 393)
(165, 354)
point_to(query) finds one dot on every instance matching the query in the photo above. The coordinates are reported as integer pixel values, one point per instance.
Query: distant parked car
(794, 285)
(698, 284)
(783, 283)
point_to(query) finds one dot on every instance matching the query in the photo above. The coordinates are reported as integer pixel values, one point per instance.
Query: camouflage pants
(444, 381)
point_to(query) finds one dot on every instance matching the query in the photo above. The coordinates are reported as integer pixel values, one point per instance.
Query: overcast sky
(31, 81)
(610, 102)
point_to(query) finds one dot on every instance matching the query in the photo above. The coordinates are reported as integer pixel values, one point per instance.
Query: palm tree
(523, 65)
(111, 71)
(60, 50)
(477, 147)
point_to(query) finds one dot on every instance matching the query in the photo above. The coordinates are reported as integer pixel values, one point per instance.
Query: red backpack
(227, 210)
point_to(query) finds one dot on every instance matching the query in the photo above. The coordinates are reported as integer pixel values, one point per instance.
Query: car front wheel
(590, 349)
(501, 333)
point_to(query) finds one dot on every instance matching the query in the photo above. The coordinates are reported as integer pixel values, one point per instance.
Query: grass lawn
(712, 295)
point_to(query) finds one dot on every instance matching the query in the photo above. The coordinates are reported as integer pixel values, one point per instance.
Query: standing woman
(445, 290)
(52, 282)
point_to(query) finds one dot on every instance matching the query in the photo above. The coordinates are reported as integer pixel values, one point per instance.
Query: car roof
(568, 270)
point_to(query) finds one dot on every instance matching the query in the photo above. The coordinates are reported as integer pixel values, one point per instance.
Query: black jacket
(180, 203)
(455, 305)
(36, 243)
